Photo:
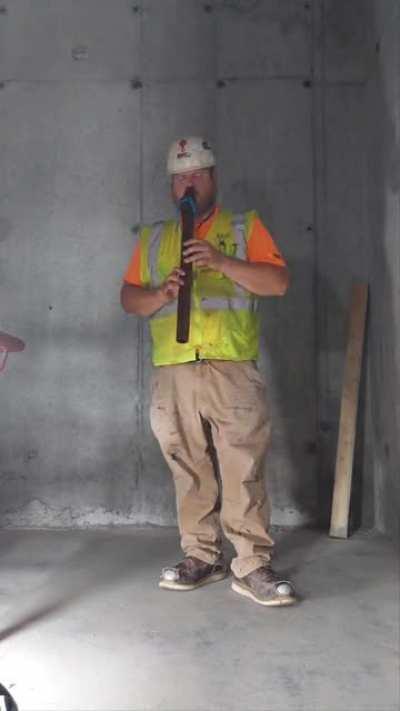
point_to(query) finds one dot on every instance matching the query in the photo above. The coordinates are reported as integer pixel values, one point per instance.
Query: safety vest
(224, 324)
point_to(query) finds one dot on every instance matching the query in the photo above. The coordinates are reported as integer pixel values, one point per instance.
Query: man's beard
(205, 205)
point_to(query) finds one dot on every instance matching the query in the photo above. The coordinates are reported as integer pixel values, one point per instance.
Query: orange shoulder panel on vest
(132, 274)
(261, 247)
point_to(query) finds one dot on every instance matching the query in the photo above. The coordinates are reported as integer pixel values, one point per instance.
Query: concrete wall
(92, 94)
(357, 214)
(341, 61)
(382, 427)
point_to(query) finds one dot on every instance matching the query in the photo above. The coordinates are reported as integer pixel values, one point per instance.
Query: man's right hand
(170, 288)
(145, 301)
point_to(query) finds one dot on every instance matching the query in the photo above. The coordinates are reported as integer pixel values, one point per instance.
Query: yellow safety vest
(224, 324)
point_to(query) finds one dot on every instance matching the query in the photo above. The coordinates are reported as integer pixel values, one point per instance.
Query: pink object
(8, 344)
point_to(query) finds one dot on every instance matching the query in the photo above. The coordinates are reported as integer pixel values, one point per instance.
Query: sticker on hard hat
(192, 153)
(183, 153)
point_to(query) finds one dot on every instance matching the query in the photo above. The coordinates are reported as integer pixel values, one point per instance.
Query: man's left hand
(202, 254)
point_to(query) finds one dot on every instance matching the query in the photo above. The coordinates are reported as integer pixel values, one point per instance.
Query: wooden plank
(348, 413)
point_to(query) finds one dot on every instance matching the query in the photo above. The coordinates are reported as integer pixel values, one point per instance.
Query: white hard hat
(187, 154)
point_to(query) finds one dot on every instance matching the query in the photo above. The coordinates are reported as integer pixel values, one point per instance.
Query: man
(211, 384)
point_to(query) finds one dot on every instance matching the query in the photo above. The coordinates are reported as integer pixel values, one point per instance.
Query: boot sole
(175, 585)
(282, 601)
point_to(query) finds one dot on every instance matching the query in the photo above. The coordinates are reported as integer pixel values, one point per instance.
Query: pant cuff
(205, 556)
(242, 567)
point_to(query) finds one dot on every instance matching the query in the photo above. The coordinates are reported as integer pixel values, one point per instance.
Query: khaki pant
(228, 398)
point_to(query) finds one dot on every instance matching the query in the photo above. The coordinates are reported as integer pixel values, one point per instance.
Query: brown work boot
(266, 587)
(191, 573)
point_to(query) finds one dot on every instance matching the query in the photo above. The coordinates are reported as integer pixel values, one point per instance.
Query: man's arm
(144, 301)
(259, 278)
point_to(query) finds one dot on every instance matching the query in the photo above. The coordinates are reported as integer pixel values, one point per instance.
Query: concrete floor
(85, 627)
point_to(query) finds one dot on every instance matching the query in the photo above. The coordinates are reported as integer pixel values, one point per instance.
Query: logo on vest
(226, 246)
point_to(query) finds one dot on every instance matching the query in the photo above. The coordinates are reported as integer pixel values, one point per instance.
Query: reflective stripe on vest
(235, 304)
(239, 226)
(154, 245)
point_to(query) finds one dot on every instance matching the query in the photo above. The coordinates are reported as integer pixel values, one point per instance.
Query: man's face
(204, 184)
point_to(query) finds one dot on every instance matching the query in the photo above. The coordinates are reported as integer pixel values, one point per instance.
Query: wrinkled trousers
(227, 400)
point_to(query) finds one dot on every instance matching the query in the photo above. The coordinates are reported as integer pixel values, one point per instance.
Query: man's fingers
(171, 290)
(173, 284)
(199, 261)
(195, 253)
(176, 277)
(197, 247)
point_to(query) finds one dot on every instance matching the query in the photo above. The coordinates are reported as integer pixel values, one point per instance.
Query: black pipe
(187, 206)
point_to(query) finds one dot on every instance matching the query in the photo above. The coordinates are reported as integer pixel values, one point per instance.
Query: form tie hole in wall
(387, 450)
(80, 52)
(3, 10)
(136, 84)
(311, 447)
(325, 427)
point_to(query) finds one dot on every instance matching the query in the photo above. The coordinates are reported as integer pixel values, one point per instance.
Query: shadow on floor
(99, 563)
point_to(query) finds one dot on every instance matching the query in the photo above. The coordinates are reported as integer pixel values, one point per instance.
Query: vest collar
(204, 226)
